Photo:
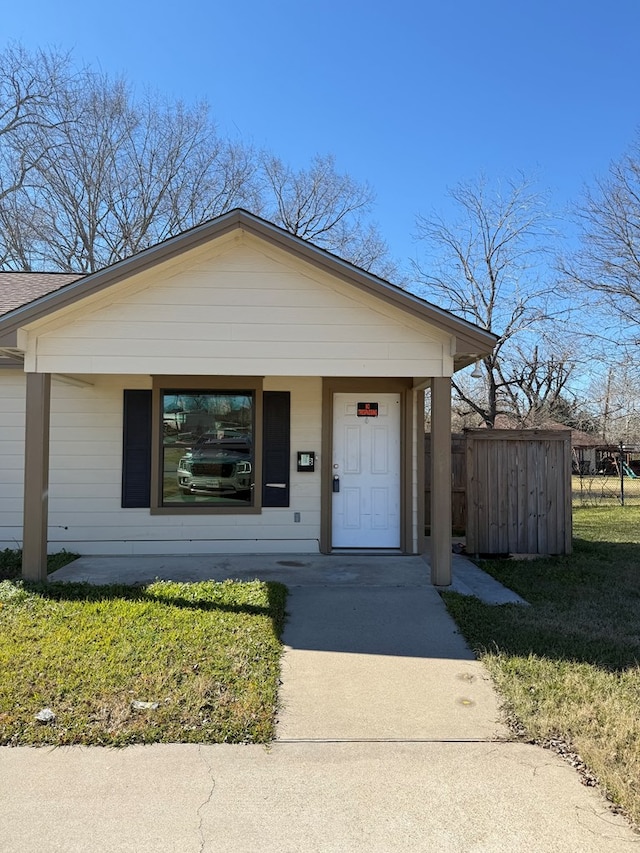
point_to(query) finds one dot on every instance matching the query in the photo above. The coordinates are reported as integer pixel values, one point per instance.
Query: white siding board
(72, 511)
(12, 456)
(85, 482)
(83, 478)
(11, 418)
(419, 350)
(92, 403)
(230, 546)
(13, 434)
(308, 350)
(11, 477)
(76, 491)
(146, 533)
(306, 434)
(11, 536)
(331, 329)
(246, 366)
(135, 310)
(247, 304)
(66, 448)
(12, 407)
(71, 423)
(67, 460)
(12, 384)
(331, 332)
(164, 306)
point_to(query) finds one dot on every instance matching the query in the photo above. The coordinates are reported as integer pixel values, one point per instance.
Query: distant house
(584, 445)
(232, 389)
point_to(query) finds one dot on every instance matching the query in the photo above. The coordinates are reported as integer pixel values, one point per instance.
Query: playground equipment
(616, 465)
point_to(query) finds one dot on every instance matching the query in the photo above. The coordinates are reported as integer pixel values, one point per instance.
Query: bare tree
(90, 174)
(488, 267)
(327, 208)
(27, 84)
(539, 385)
(606, 267)
(616, 404)
(115, 175)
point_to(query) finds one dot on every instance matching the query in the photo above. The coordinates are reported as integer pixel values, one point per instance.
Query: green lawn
(11, 562)
(205, 656)
(568, 667)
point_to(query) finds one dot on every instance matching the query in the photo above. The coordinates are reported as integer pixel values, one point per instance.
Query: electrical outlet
(296, 516)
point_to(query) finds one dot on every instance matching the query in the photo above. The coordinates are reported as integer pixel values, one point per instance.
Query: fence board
(530, 481)
(458, 482)
(511, 490)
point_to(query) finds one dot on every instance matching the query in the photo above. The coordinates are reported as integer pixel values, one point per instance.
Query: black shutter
(136, 449)
(276, 408)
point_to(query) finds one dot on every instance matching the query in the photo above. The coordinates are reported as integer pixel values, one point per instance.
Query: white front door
(366, 471)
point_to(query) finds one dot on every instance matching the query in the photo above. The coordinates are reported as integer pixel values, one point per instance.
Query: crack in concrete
(206, 801)
(497, 739)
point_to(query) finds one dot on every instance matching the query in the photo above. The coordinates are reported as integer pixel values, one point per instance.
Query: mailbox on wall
(306, 460)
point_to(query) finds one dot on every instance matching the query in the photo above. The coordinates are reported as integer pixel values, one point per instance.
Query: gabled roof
(471, 341)
(578, 437)
(20, 288)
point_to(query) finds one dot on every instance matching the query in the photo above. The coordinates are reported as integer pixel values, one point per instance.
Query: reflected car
(216, 466)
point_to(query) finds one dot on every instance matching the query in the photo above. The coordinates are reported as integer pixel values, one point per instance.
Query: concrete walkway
(380, 663)
(388, 740)
(291, 569)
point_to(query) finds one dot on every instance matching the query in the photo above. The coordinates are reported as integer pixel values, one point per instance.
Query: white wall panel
(245, 310)
(85, 479)
(12, 396)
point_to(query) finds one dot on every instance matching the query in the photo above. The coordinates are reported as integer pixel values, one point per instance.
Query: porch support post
(441, 481)
(36, 477)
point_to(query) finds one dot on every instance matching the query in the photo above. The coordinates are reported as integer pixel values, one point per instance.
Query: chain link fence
(605, 490)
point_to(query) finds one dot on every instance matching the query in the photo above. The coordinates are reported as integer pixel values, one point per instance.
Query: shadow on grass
(584, 607)
(207, 596)
(11, 562)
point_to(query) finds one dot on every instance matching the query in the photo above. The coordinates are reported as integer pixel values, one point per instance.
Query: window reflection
(207, 448)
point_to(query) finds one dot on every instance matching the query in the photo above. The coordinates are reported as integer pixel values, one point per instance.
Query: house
(233, 389)
(584, 446)
(584, 449)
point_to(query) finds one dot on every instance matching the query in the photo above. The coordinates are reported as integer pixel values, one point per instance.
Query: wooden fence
(511, 490)
(458, 482)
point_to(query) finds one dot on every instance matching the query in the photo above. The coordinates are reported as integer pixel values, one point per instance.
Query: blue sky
(409, 96)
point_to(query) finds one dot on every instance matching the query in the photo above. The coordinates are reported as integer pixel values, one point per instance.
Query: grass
(205, 655)
(568, 667)
(11, 562)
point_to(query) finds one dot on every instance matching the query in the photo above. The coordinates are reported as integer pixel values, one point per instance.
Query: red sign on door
(367, 410)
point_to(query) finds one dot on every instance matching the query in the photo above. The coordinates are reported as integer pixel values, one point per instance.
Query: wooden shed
(518, 492)
(510, 490)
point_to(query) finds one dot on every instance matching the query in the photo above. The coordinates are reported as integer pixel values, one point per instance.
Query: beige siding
(85, 479)
(12, 391)
(242, 311)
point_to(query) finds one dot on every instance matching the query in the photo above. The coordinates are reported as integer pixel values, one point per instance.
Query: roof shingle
(20, 288)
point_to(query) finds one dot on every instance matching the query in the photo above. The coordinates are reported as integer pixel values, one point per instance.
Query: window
(204, 446)
(207, 448)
